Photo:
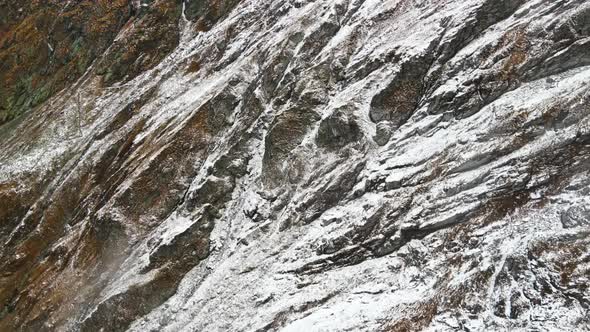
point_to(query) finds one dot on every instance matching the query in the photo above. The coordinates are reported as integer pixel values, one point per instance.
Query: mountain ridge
(309, 165)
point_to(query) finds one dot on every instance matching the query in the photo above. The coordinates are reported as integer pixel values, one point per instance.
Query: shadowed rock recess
(295, 165)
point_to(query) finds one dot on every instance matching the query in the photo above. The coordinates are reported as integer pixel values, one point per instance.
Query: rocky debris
(383, 132)
(207, 166)
(575, 216)
(338, 129)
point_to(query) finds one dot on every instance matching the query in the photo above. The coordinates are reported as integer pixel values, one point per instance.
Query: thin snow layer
(437, 170)
(246, 287)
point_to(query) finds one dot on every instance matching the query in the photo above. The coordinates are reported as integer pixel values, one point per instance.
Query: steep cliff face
(295, 165)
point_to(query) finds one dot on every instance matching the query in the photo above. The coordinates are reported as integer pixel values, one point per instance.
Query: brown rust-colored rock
(45, 46)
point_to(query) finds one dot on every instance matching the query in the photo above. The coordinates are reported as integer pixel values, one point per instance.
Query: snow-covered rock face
(350, 165)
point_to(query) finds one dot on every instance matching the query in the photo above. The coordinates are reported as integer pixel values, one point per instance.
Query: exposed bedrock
(295, 165)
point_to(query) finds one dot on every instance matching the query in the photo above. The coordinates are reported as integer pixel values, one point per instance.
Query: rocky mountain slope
(295, 165)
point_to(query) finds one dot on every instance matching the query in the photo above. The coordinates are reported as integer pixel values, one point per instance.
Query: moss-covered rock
(45, 46)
